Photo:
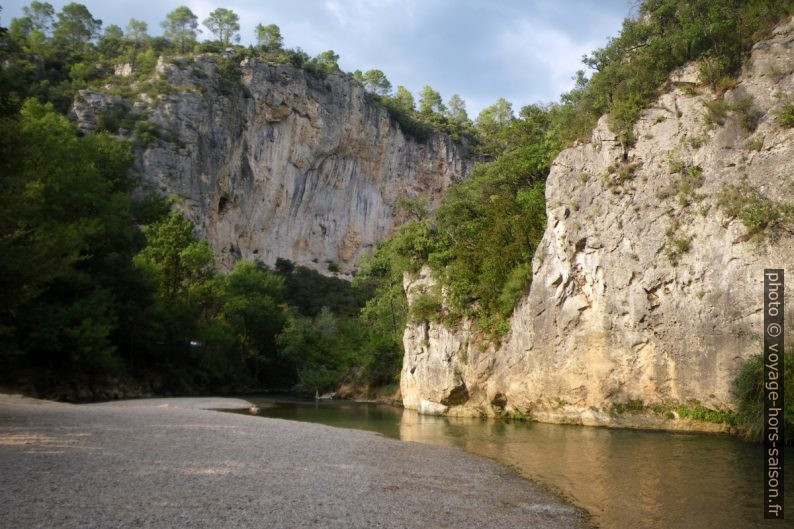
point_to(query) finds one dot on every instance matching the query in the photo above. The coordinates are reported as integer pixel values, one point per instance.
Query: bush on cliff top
(665, 35)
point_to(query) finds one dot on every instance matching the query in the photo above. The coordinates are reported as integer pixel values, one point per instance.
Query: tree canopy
(181, 27)
(39, 16)
(75, 25)
(376, 82)
(269, 37)
(327, 62)
(405, 99)
(224, 24)
(430, 101)
(457, 109)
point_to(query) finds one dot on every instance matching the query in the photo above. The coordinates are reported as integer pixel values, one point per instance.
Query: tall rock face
(644, 287)
(270, 161)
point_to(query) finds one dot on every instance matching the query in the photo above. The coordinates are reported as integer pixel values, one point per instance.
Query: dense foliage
(68, 237)
(99, 283)
(327, 341)
(87, 294)
(101, 286)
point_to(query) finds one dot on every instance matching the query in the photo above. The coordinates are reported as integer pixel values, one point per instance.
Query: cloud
(542, 53)
(368, 15)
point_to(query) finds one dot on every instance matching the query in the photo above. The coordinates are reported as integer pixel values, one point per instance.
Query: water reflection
(625, 478)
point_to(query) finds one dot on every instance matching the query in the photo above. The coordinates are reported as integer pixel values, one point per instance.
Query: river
(625, 478)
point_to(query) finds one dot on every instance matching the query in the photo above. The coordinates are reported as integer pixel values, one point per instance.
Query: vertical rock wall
(643, 288)
(280, 162)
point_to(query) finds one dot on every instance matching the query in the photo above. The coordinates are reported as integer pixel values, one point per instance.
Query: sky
(526, 51)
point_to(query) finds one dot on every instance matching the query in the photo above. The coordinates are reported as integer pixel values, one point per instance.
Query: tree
(113, 32)
(112, 41)
(136, 32)
(327, 61)
(40, 16)
(313, 347)
(224, 24)
(76, 25)
(375, 81)
(496, 115)
(173, 254)
(136, 36)
(404, 99)
(269, 37)
(181, 26)
(430, 101)
(253, 309)
(20, 28)
(67, 236)
(457, 109)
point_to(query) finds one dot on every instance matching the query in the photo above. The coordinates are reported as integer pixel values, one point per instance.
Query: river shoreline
(172, 462)
(115, 391)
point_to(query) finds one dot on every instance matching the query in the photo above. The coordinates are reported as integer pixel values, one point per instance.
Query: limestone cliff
(643, 288)
(273, 161)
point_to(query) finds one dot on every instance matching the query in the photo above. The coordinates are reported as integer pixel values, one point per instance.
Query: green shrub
(748, 390)
(785, 112)
(760, 215)
(677, 246)
(229, 74)
(676, 165)
(625, 171)
(749, 116)
(425, 307)
(716, 71)
(628, 138)
(409, 124)
(85, 72)
(756, 143)
(145, 63)
(514, 288)
(630, 406)
(716, 112)
(513, 415)
(146, 131)
(695, 410)
(690, 180)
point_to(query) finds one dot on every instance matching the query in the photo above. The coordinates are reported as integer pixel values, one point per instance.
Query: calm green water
(626, 479)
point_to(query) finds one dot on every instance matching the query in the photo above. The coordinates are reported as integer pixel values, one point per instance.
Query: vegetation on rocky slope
(89, 292)
(104, 287)
(480, 243)
(482, 239)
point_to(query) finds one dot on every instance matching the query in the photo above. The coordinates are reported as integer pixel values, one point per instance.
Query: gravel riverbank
(176, 463)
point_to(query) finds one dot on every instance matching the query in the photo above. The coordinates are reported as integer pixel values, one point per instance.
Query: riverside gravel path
(176, 463)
